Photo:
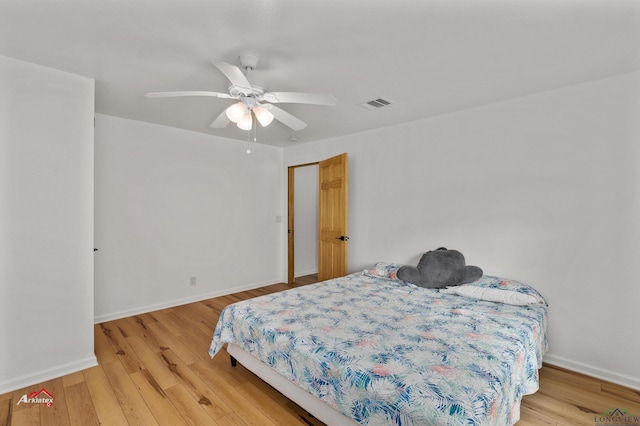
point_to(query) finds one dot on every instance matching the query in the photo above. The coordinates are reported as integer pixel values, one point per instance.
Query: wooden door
(332, 217)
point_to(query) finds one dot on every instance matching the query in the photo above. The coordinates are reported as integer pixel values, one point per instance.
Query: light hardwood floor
(154, 369)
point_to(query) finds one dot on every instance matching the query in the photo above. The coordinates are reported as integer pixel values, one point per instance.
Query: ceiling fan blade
(300, 98)
(287, 119)
(187, 93)
(221, 121)
(234, 74)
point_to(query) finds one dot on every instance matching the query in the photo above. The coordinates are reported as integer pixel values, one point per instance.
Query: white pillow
(492, 295)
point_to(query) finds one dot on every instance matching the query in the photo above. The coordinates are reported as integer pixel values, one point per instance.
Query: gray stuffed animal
(440, 268)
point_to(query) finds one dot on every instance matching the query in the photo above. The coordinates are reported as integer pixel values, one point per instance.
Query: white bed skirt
(304, 399)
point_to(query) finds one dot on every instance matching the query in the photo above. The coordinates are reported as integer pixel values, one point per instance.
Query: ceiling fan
(252, 100)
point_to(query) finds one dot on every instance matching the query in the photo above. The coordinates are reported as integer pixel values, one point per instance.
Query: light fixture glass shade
(244, 122)
(263, 115)
(236, 111)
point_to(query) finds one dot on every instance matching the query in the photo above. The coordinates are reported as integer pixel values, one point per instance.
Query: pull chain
(249, 137)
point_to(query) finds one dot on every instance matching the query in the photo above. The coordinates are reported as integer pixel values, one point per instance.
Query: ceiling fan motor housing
(239, 91)
(249, 101)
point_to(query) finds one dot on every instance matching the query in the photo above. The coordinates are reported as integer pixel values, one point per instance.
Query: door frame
(290, 219)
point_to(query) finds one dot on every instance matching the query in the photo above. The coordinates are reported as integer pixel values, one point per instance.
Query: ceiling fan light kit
(252, 100)
(245, 122)
(236, 111)
(263, 115)
(240, 113)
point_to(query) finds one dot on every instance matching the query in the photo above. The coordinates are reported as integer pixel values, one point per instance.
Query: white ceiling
(429, 57)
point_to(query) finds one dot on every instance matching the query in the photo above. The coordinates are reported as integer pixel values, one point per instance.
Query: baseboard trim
(177, 302)
(305, 273)
(589, 370)
(47, 374)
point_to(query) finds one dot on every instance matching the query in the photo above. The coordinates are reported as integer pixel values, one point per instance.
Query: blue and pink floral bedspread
(384, 352)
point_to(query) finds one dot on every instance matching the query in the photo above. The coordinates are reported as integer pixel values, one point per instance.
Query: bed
(371, 349)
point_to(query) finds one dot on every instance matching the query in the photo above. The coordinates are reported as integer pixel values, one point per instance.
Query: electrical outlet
(193, 281)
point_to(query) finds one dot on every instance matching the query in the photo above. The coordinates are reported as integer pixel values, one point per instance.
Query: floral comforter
(385, 352)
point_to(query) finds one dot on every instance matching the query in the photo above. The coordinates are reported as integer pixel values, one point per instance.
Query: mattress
(381, 351)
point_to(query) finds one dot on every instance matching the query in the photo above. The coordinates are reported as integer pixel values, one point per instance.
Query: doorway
(332, 218)
(303, 220)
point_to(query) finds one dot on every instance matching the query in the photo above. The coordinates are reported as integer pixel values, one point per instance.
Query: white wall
(305, 220)
(173, 204)
(544, 189)
(46, 224)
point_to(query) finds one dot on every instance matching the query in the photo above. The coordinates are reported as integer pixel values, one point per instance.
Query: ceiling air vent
(377, 103)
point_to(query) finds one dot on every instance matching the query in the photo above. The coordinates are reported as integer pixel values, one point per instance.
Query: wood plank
(210, 401)
(188, 406)
(302, 414)
(28, 416)
(235, 297)
(587, 400)
(618, 391)
(267, 404)
(6, 407)
(133, 405)
(194, 324)
(231, 419)
(124, 352)
(196, 340)
(5, 396)
(306, 280)
(265, 388)
(124, 327)
(235, 400)
(201, 312)
(273, 288)
(531, 417)
(139, 327)
(165, 317)
(254, 293)
(197, 346)
(147, 318)
(560, 411)
(57, 414)
(160, 405)
(561, 375)
(216, 305)
(232, 375)
(17, 407)
(103, 349)
(172, 343)
(161, 374)
(80, 405)
(72, 379)
(269, 401)
(104, 399)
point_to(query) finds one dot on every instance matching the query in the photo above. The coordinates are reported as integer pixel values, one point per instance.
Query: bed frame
(313, 405)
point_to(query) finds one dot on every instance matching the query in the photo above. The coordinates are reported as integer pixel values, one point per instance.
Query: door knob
(342, 238)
